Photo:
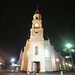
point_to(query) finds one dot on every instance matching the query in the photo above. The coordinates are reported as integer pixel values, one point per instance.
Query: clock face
(36, 25)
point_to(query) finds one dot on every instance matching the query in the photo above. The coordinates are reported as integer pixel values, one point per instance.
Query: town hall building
(39, 55)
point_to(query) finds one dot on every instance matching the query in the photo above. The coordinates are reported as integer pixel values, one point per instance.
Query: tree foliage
(3, 57)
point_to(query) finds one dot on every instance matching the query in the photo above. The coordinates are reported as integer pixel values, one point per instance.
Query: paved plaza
(68, 73)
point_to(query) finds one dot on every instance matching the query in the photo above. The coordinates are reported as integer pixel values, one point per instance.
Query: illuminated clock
(36, 25)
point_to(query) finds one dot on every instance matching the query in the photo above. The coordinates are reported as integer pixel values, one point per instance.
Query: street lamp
(12, 60)
(70, 50)
(68, 45)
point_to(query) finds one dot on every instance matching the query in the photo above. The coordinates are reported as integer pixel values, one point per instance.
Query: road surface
(6, 73)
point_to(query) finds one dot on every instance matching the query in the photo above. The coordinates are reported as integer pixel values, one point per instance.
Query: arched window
(36, 50)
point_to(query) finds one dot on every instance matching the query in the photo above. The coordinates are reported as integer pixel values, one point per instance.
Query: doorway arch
(36, 66)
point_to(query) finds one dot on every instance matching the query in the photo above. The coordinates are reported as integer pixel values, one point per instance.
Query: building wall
(47, 51)
(24, 62)
(47, 63)
(36, 58)
(51, 57)
(60, 64)
(20, 58)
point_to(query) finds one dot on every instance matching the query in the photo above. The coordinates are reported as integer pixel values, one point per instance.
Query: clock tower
(36, 49)
(36, 31)
(39, 55)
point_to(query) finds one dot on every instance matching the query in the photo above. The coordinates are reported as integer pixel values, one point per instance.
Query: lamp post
(61, 71)
(59, 65)
(57, 60)
(70, 51)
(12, 60)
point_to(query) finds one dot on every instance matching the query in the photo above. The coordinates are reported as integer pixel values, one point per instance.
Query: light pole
(12, 60)
(70, 51)
(59, 65)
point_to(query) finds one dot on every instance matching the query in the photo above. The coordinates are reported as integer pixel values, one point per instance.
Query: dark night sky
(16, 20)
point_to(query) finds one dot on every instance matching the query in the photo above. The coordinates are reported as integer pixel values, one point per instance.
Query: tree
(3, 58)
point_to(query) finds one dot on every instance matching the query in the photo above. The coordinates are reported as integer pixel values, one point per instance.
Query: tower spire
(37, 7)
(37, 11)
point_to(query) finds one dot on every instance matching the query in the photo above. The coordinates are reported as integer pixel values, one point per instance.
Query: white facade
(39, 55)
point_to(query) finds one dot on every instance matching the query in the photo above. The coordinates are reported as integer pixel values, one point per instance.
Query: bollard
(61, 72)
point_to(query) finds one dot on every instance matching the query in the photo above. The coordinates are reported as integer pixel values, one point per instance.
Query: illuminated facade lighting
(57, 60)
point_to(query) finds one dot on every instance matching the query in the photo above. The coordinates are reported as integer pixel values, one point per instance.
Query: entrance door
(37, 67)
